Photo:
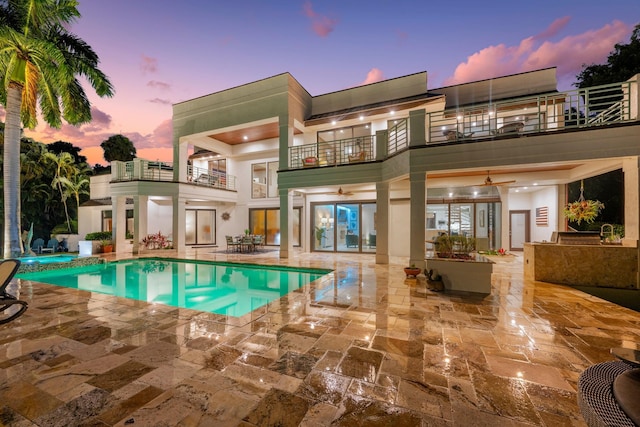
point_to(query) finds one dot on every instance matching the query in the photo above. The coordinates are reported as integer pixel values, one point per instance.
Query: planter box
(464, 275)
(89, 247)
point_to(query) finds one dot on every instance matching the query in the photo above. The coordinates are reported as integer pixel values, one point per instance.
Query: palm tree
(65, 168)
(40, 61)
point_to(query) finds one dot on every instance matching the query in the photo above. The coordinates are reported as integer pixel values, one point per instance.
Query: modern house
(381, 168)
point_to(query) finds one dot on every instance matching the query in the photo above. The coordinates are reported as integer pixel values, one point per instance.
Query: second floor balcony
(577, 109)
(146, 170)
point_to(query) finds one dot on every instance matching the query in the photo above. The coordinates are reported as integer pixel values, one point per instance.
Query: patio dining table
(248, 243)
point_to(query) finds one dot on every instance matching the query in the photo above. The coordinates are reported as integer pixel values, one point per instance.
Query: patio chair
(247, 244)
(232, 244)
(37, 245)
(8, 269)
(258, 241)
(52, 246)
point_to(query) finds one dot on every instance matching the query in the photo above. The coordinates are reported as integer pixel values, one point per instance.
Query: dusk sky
(159, 52)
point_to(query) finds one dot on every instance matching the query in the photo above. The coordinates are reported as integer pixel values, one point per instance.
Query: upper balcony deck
(560, 111)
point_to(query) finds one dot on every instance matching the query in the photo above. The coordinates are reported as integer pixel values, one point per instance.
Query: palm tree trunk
(11, 172)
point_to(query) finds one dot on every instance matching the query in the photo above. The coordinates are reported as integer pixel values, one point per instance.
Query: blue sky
(158, 52)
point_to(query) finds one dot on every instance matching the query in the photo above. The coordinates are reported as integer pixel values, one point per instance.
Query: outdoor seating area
(38, 246)
(245, 243)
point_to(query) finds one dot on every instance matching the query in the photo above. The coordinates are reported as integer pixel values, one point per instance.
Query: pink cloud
(374, 75)
(553, 29)
(148, 64)
(567, 54)
(322, 25)
(158, 85)
(160, 101)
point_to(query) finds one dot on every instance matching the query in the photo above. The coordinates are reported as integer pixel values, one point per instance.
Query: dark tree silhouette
(118, 147)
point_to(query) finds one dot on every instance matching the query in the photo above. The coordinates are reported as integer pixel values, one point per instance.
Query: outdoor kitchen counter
(610, 266)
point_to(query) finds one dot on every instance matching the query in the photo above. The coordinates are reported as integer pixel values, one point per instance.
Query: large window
(480, 220)
(200, 227)
(264, 180)
(267, 222)
(107, 222)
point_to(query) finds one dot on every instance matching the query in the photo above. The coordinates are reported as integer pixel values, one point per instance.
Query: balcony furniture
(515, 127)
(453, 135)
(310, 162)
(372, 240)
(352, 240)
(357, 157)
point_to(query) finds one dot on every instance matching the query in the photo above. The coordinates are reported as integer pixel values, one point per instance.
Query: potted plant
(412, 271)
(320, 234)
(104, 238)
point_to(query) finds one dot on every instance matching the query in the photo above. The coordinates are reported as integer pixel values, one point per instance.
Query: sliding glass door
(343, 227)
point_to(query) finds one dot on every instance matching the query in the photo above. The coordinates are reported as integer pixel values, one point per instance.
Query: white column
(286, 226)
(505, 239)
(631, 171)
(418, 208)
(179, 221)
(382, 222)
(118, 220)
(140, 219)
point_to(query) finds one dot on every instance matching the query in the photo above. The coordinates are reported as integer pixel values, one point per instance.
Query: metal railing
(579, 108)
(146, 170)
(211, 178)
(331, 153)
(398, 137)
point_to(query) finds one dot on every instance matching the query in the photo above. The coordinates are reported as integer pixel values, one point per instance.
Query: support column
(140, 218)
(417, 134)
(561, 222)
(180, 166)
(631, 171)
(505, 225)
(286, 226)
(179, 221)
(118, 220)
(417, 211)
(382, 222)
(285, 141)
(382, 144)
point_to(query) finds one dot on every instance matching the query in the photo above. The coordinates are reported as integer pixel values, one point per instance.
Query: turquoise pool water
(224, 288)
(48, 259)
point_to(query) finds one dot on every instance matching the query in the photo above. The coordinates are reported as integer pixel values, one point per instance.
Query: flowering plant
(583, 210)
(156, 241)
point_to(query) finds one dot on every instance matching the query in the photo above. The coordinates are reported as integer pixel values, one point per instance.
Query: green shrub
(99, 235)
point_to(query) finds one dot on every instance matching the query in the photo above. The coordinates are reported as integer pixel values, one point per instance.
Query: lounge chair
(8, 269)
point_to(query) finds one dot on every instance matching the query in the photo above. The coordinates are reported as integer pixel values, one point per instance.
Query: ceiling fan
(489, 182)
(341, 192)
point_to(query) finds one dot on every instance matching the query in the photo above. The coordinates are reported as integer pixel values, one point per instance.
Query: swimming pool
(48, 259)
(231, 289)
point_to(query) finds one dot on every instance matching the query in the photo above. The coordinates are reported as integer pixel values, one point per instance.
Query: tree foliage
(622, 64)
(60, 147)
(118, 147)
(40, 63)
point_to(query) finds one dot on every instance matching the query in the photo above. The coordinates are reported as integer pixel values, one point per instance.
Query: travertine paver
(364, 346)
